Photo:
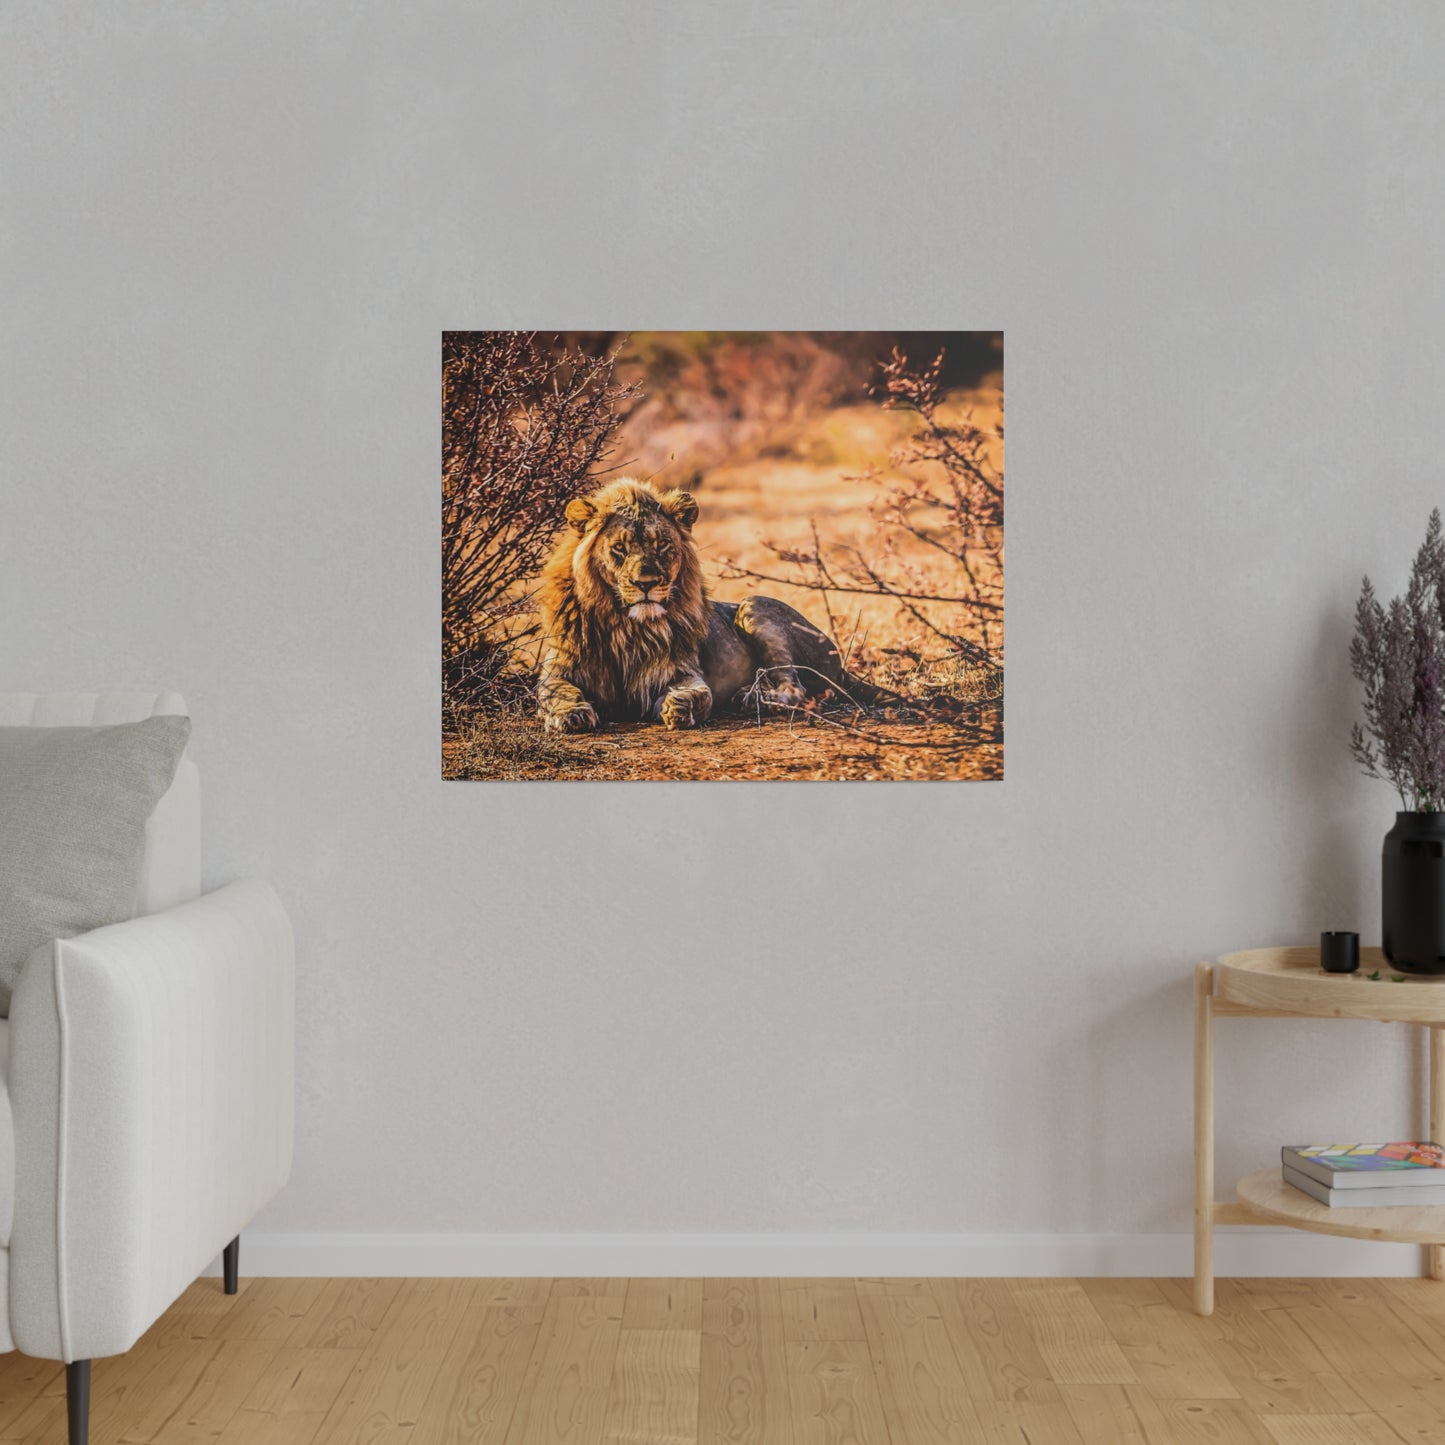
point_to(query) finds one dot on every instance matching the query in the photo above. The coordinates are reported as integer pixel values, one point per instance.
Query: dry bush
(526, 426)
(942, 499)
(936, 681)
(718, 398)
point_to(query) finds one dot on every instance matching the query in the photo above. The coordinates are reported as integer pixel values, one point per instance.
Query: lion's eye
(619, 553)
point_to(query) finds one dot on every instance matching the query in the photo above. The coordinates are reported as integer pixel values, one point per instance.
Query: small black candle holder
(1340, 952)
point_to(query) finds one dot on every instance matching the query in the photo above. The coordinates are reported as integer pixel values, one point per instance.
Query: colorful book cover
(1365, 1158)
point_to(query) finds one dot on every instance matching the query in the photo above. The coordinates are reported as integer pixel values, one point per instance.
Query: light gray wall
(232, 234)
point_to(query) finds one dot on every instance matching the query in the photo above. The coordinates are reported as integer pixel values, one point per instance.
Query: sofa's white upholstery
(151, 1088)
(171, 872)
(7, 1182)
(7, 1141)
(149, 1081)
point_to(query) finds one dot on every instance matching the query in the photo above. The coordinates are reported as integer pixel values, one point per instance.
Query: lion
(631, 634)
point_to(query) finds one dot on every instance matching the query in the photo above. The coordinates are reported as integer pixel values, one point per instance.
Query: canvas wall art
(722, 556)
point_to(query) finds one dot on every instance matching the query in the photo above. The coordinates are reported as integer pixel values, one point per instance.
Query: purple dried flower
(1399, 655)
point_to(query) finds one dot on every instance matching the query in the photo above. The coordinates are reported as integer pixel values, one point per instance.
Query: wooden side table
(1289, 983)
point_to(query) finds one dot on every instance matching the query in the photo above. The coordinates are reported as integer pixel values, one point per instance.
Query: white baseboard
(1241, 1252)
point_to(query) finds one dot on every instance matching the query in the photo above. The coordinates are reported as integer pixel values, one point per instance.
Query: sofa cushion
(171, 872)
(73, 809)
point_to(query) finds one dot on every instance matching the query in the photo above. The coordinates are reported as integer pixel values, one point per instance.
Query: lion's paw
(788, 694)
(581, 718)
(682, 710)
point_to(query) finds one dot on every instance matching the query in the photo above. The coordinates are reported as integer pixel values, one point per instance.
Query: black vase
(1414, 893)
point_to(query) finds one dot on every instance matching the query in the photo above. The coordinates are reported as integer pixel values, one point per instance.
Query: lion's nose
(648, 579)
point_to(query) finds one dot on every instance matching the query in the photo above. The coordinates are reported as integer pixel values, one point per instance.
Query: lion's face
(635, 544)
(638, 559)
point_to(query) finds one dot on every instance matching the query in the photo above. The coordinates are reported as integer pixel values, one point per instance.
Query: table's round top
(1290, 980)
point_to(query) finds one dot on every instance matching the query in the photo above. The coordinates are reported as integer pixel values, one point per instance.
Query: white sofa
(148, 1074)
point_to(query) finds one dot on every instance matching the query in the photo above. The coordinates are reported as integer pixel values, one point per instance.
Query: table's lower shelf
(1267, 1195)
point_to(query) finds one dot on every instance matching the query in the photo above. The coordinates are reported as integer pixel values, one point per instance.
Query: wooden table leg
(1204, 1138)
(1435, 1253)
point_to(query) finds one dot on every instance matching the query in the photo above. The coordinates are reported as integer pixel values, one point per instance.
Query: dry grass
(785, 501)
(510, 745)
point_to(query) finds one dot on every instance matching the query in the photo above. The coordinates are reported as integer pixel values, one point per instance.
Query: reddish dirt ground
(736, 749)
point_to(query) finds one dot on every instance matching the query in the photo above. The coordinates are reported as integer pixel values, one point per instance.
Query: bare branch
(945, 493)
(526, 426)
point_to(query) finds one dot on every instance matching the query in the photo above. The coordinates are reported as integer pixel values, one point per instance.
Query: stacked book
(1367, 1176)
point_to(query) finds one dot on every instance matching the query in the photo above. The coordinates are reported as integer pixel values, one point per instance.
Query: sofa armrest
(151, 1081)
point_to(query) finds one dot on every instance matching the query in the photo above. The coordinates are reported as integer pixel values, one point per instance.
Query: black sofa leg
(77, 1374)
(77, 1401)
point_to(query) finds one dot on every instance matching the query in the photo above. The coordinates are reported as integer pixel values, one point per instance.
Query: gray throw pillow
(73, 809)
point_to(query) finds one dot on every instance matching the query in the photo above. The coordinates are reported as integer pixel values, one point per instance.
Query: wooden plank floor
(765, 1362)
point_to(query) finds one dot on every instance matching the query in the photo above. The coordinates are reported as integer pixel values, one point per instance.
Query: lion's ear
(681, 507)
(580, 512)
